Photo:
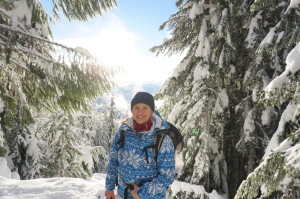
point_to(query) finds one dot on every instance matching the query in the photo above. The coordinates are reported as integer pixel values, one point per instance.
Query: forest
(235, 96)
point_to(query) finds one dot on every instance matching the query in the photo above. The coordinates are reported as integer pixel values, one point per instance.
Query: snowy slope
(75, 188)
(53, 188)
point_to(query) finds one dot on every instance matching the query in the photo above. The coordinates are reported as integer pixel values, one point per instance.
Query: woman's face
(141, 113)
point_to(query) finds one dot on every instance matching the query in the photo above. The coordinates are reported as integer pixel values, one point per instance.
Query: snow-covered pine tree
(112, 124)
(205, 88)
(104, 133)
(101, 139)
(69, 151)
(37, 73)
(278, 175)
(63, 146)
(233, 54)
(274, 34)
(67, 138)
(87, 124)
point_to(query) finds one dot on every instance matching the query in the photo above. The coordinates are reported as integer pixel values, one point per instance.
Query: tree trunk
(251, 160)
(234, 159)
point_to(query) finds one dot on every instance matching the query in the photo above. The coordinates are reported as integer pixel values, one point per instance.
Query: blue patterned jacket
(128, 164)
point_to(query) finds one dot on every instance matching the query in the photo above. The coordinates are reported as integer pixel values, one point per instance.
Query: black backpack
(173, 132)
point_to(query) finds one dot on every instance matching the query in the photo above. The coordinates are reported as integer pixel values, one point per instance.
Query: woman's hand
(134, 192)
(110, 195)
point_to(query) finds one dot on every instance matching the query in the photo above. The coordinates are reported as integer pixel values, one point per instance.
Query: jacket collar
(156, 120)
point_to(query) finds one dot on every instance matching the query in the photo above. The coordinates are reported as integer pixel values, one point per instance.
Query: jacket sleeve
(112, 174)
(166, 172)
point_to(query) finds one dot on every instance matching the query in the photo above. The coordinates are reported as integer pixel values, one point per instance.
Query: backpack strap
(121, 141)
(176, 137)
(158, 139)
(145, 150)
(128, 187)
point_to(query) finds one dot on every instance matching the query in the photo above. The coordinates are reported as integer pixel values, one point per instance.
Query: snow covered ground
(53, 188)
(73, 188)
(11, 187)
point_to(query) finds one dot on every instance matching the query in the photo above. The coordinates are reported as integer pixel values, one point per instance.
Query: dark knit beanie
(143, 97)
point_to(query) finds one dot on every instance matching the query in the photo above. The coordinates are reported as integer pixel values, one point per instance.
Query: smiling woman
(137, 173)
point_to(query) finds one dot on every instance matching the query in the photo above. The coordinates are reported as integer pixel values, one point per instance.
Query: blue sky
(122, 37)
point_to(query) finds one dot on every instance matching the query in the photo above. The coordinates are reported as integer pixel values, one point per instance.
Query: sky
(122, 38)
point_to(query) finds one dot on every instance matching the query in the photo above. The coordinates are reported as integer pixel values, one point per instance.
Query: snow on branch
(293, 66)
(184, 190)
(12, 29)
(197, 9)
(288, 115)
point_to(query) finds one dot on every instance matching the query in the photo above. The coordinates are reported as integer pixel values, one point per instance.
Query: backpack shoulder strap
(177, 137)
(158, 139)
(121, 141)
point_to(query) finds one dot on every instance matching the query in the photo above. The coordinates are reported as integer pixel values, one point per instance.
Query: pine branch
(73, 10)
(12, 29)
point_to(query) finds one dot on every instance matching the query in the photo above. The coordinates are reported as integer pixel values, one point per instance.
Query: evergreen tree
(65, 146)
(100, 139)
(112, 125)
(104, 134)
(276, 72)
(38, 74)
(206, 87)
(213, 95)
(61, 145)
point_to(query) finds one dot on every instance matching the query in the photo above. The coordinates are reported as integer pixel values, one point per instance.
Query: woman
(132, 168)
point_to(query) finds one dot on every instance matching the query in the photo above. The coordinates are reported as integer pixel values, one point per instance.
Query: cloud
(113, 44)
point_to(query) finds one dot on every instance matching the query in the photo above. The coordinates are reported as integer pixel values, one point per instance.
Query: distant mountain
(129, 91)
(151, 88)
(122, 97)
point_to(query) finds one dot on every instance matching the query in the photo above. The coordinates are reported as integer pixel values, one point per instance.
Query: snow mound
(53, 188)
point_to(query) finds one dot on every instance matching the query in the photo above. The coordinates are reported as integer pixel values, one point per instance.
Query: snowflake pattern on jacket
(128, 164)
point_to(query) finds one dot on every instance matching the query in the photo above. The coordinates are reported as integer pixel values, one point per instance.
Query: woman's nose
(140, 112)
